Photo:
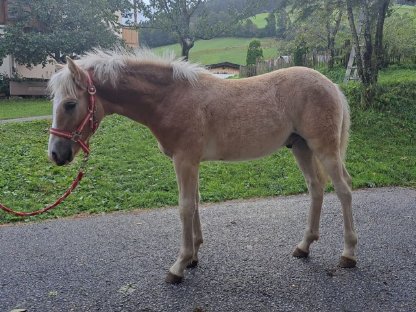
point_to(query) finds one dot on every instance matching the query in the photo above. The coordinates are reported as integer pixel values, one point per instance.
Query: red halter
(90, 117)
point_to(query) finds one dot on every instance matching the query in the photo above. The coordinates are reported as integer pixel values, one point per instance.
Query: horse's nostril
(54, 156)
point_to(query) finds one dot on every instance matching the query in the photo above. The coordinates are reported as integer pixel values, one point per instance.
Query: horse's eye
(69, 106)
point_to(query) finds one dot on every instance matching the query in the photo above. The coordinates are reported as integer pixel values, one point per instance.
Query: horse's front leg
(187, 178)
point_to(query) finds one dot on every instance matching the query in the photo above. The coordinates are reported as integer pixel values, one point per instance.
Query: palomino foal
(196, 116)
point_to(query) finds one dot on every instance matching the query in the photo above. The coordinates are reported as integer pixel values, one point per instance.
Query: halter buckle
(91, 90)
(76, 136)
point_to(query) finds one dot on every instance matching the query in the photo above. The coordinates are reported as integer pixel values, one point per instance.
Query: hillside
(234, 50)
(218, 50)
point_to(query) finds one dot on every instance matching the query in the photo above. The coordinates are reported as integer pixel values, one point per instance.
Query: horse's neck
(139, 93)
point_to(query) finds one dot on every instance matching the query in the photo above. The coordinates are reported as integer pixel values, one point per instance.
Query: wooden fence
(19, 88)
(265, 66)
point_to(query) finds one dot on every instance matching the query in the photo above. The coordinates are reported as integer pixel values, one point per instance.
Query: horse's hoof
(345, 262)
(192, 264)
(173, 278)
(299, 253)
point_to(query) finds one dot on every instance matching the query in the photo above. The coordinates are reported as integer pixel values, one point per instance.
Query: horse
(197, 117)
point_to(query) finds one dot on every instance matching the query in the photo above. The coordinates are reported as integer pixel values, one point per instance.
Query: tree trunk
(332, 33)
(186, 44)
(331, 48)
(379, 50)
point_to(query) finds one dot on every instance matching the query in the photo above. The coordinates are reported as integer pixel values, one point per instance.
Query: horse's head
(76, 113)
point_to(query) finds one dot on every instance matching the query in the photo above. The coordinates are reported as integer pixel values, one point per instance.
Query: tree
(59, 28)
(399, 36)
(282, 19)
(324, 18)
(270, 29)
(370, 56)
(187, 19)
(254, 52)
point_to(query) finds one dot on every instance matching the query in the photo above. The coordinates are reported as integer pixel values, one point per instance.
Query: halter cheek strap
(89, 118)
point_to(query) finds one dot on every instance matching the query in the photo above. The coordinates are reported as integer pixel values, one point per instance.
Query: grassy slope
(218, 50)
(260, 20)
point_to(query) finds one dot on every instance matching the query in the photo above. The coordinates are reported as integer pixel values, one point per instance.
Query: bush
(396, 98)
(254, 52)
(4, 85)
(299, 55)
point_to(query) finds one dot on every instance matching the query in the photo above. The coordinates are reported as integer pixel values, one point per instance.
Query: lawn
(218, 50)
(24, 108)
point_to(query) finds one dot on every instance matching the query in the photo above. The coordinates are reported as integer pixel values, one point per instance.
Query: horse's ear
(58, 67)
(78, 74)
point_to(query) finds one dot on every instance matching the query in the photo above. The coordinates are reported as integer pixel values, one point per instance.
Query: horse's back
(253, 117)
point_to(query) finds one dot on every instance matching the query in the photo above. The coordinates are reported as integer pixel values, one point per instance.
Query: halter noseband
(89, 118)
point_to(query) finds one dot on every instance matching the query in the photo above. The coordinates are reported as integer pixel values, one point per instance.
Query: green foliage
(56, 28)
(392, 98)
(254, 52)
(4, 85)
(400, 38)
(270, 29)
(300, 53)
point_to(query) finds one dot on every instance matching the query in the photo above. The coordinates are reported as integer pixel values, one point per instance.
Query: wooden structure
(32, 88)
(224, 68)
(131, 36)
(352, 72)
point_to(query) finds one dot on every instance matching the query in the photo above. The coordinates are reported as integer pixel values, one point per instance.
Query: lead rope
(58, 201)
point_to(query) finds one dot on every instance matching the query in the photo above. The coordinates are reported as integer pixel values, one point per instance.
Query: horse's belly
(242, 148)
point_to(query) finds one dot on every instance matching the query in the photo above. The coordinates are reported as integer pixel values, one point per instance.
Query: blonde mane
(108, 65)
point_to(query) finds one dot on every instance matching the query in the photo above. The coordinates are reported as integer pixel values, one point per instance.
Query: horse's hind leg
(342, 184)
(196, 224)
(316, 183)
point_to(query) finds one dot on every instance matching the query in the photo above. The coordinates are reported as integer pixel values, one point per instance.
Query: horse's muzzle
(61, 153)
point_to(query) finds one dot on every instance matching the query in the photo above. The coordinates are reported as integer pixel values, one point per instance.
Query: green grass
(218, 50)
(260, 20)
(402, 9)
(393, 74)
(24, 108)
(396, 75)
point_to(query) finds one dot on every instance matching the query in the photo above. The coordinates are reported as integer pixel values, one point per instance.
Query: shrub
(254, 52)
(4, 85)
(396, 98)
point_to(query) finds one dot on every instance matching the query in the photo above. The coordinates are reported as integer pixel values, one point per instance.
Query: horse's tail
(345, 128)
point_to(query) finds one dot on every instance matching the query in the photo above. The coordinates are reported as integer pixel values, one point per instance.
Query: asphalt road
(118, 262)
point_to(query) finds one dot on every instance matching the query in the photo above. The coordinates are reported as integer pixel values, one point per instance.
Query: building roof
(224, 64)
